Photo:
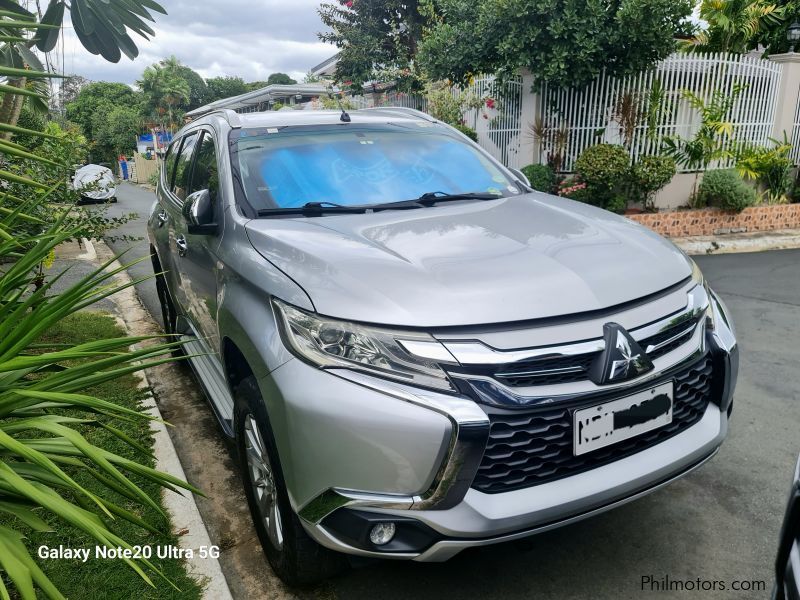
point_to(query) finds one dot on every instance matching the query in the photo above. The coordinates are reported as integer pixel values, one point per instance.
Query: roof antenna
(344, 117)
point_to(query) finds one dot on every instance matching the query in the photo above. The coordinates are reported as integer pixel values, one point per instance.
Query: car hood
(520, 258)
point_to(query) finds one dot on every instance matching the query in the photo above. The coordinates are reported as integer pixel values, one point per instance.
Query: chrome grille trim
(478, 353)
(538, 372)
(534, 395)
(667, 342)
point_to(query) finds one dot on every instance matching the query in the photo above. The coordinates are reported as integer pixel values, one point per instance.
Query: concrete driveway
(719, 524)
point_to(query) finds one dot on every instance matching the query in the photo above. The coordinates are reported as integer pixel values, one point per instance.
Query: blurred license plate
(605, 424)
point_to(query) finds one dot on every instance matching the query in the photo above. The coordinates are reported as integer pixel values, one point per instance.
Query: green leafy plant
(42, 400)
(647, 176)
(733, 25)
(770, 168)
(541, 177)
(467, 131)
(725, 189)
(552, 141)
(712, 141)
(449, 107)
(43, 388)
(57, 152)
(604, 169)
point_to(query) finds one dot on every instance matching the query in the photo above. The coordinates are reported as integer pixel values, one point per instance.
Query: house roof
(327, 67)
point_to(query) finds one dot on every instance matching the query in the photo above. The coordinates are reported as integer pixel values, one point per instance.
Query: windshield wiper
(431, 198)
(316, 209)
(313, 209)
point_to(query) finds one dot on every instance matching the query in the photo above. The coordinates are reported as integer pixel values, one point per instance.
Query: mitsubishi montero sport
(414, 352)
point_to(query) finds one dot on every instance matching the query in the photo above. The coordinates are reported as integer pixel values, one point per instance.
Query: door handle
(162, 217)
(183, 247)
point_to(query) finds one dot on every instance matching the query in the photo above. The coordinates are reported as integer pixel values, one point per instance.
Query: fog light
(382, 533)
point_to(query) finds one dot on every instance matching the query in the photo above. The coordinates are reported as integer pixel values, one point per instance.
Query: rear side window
(206, 176)
(183, 167)
(169, 162)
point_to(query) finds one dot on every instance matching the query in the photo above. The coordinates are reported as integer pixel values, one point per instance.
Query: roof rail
(230, 115)
(400, 110)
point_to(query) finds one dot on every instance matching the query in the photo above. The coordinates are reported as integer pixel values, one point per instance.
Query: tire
(168, 312)
(295, 558)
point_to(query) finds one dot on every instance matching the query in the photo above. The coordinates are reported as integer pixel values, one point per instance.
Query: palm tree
(165, 90)
(733, 25)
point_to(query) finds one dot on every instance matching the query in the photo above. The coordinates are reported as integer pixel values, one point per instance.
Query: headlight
(328, 343)
(699, 279)
(697, 274)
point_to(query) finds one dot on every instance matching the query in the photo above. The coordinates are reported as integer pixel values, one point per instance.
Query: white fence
(389, 98)
(656, 105)
(498, 122)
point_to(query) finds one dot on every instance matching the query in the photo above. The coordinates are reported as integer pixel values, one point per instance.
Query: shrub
(603, 165)
(153, 179)
(542, 177)
(574, 189)
(725, 189)
(648, 176)
(604, 168)
(770, 168)
(467, 131)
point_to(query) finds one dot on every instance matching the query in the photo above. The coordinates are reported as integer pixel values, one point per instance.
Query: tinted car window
(183, 170)
(205, 175)
(169, 162)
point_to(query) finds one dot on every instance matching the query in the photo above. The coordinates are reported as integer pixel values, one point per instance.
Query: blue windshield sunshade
(352, 172)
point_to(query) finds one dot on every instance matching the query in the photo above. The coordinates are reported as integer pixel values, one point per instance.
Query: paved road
(720, 523)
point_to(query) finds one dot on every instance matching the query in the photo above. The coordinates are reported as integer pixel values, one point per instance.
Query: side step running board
(213, 379)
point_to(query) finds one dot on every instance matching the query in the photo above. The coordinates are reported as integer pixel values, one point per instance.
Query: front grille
(569, 369)
(531, 448)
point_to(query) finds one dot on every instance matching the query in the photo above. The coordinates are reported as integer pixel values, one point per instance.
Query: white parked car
(95, 183)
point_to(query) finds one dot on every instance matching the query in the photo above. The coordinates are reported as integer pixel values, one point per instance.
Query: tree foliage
(115, 132)
(225, 87)
(166, 93)
(101, 27)
(735, 25)
(377, 39)
(280, 79)
(100, 98)
(565, 43)
(198, 90)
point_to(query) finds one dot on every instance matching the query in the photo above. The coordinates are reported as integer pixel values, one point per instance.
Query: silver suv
(414, 352)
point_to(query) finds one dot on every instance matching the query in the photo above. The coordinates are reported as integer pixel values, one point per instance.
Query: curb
(762, 241)
(187, 523)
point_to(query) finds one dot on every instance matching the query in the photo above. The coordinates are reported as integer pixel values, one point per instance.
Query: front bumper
(397, 453)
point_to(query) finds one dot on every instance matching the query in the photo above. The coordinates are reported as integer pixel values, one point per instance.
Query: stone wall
(713, 221)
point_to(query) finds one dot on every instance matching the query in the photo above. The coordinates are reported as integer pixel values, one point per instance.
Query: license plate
(605, 424)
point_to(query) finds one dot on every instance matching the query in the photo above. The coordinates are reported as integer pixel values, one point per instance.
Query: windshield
(355, 165)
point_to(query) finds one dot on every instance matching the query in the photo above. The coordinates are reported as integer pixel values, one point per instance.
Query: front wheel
(294, 556)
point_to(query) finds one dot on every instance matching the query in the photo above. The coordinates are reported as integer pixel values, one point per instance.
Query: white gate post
(786, 108)
(528, 148)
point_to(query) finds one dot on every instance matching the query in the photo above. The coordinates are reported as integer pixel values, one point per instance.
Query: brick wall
(713, 221)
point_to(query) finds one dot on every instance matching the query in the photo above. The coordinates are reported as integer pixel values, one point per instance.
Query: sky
(246, 38)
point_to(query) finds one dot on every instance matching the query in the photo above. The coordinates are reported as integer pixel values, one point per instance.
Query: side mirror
(520, 175)
(198, 210)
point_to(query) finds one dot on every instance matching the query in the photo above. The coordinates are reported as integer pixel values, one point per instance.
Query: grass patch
(109, 579)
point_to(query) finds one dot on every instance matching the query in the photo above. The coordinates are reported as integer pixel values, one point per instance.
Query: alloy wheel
(262, 480)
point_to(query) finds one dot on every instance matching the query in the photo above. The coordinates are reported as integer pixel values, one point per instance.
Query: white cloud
(247, 38)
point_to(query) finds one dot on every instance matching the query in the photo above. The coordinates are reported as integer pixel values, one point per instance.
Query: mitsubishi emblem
(621, 359)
